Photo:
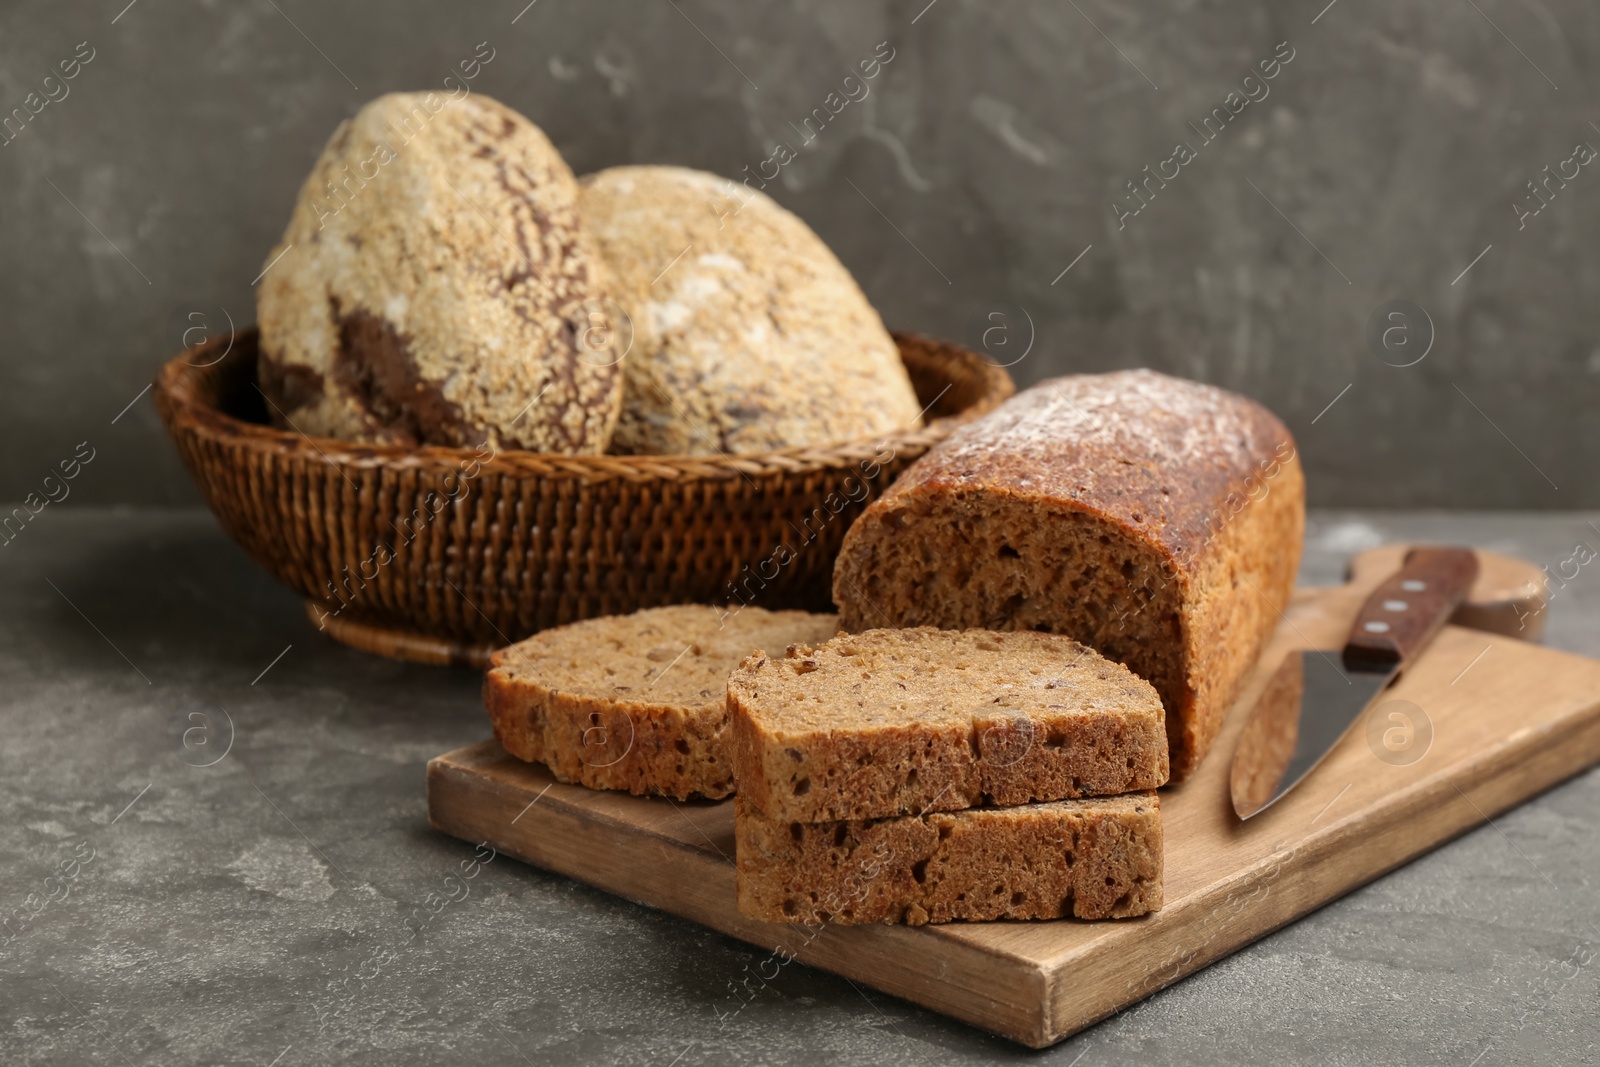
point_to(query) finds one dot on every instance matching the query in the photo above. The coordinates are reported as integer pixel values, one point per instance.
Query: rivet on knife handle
(1403, 614)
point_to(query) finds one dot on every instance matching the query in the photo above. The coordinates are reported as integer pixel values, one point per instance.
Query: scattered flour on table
(285, 869)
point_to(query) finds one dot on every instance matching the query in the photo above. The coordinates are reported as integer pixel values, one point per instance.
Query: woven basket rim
(175, 392)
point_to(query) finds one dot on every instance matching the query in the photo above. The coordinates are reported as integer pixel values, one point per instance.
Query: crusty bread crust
(437, 288)
(635, 702)
(1156, 520)
(748, 333)
(1093, 859)
(895, 722)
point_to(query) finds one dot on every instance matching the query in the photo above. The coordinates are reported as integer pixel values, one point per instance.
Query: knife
(1316, 695)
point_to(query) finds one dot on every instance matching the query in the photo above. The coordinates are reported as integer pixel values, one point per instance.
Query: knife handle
(1403, 614)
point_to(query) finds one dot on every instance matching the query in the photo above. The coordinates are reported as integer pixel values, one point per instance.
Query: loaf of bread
(1156, 520)
(1099, 858)
(435, 287)
(748, 334)
(635, 702)
(893, 722)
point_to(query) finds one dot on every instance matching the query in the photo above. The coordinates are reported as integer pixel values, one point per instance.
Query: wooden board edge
(1013, 988)
(1421, 819)
(477, 762)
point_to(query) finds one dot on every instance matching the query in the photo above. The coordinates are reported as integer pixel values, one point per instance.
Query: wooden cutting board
(1508, 720)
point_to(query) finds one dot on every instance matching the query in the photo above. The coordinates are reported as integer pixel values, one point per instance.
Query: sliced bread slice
(1099, 858)
(635, 702)
(895, 722)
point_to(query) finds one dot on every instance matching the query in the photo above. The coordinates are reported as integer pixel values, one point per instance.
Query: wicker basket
(442, 555)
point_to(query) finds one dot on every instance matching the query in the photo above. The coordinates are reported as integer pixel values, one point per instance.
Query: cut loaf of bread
(1156, 520)
(896, 722)
(1099, 858)
(635, 702)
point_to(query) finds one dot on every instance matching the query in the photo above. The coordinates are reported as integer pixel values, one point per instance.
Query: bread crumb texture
(892, 722)
(1099, 858)
(1156, 520)
(635, 702)
(748, 334)
(435, 286)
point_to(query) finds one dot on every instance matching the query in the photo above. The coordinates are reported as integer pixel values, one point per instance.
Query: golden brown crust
(634, 702)
(1239, 595)
(891, 722)
(434, 286)
(1155, 454)
(1156, 520)
(1092, 859)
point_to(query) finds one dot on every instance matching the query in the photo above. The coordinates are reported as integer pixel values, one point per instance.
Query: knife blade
(1315, 695)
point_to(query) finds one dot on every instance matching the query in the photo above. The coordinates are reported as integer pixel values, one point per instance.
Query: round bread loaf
(748, 334)
(434, 287)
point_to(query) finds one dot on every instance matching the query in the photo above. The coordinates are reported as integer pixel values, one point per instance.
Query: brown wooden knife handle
(1402, 615)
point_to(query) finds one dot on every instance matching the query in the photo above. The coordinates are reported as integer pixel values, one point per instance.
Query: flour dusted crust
(895, 722)
(1100, 858)
(434, 286)
(635, 702)
(748, 333)
(1154, 519)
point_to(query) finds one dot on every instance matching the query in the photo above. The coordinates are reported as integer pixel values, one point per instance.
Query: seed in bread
(1156, 520)
(1099, 858)
(635, 702)
(748, 334)
(893, 722)
(434, 286)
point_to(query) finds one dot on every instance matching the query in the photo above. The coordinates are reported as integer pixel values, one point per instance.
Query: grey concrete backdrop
(983, 163)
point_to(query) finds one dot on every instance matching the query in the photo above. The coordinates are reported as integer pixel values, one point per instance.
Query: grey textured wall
(1385, 157)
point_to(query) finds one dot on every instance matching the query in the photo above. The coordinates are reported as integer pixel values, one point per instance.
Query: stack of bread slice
(915, 775)
(923, 775)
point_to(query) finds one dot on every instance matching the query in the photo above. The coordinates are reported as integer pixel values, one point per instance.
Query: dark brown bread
(635, 702)
(1156, 520)
(895, 722)
(1093, 859)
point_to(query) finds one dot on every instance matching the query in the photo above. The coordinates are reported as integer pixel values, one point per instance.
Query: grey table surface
(263, 910)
